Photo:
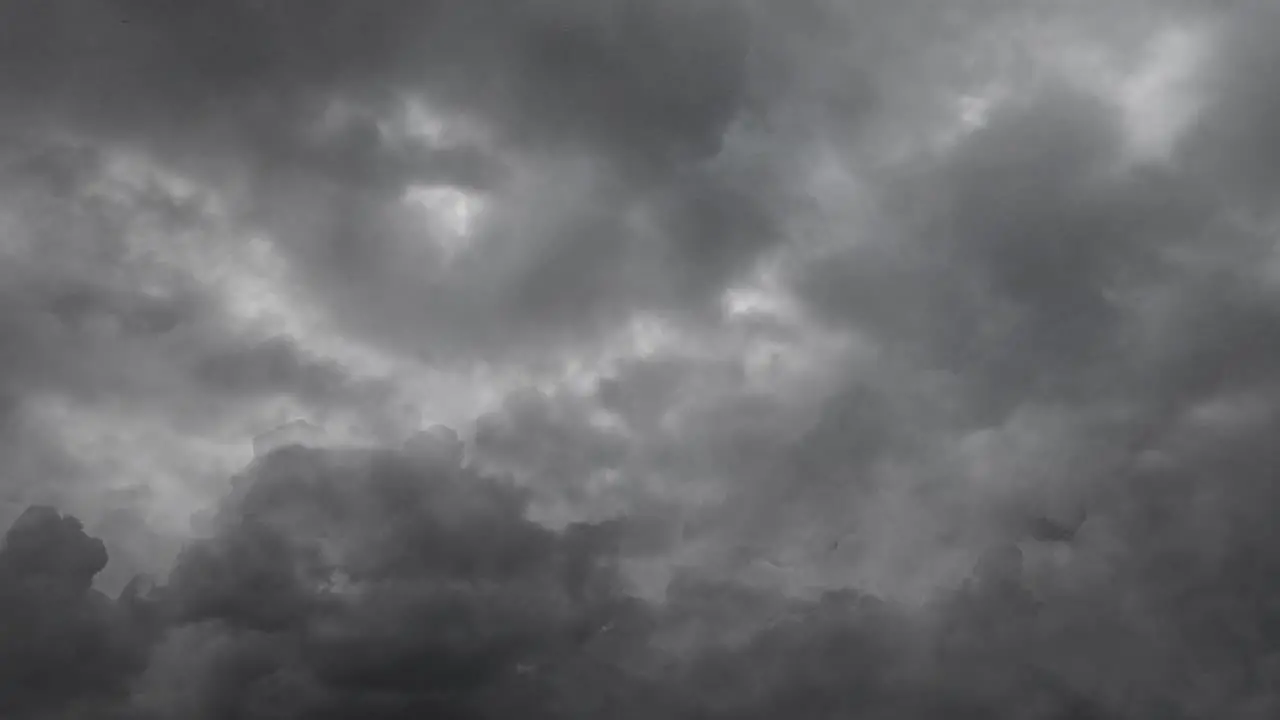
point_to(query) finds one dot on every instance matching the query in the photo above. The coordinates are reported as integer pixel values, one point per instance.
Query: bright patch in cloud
(1155, 94)
(1157, 98)
(451, 215)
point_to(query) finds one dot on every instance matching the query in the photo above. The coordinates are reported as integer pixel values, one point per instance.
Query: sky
(654, 358)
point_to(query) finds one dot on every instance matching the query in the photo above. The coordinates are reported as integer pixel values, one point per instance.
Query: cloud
(340, 582)
(339, 571)
(275, 365)
(823, 358)
(113, 338)
(1230, 140)
(63, 641)
(390, 584)
(549, 78)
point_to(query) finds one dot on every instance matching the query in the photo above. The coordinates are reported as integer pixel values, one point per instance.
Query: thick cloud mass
(59, 634)
(639, 358)
(342, 584)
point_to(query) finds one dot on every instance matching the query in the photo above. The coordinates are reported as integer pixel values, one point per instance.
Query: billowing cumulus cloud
(638, 358)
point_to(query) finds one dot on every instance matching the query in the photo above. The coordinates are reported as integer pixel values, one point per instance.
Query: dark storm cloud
(371, 584)
(1007, 269)
(63, 642)
(1046, 321)
(1037, 269)
(294, 608)
(645, 93)
(334, 579)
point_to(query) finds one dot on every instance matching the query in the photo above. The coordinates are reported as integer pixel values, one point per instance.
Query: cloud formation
(653, 358)
(382, 584)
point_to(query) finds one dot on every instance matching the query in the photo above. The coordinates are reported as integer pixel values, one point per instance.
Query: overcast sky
(764, 298)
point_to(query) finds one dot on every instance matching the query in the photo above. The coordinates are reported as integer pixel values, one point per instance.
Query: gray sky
(821, 294)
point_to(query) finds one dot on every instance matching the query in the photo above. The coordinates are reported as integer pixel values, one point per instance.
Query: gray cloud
(1232, 142)
(338, 583)
(1033, 481)
(92, 318)
(1008, 273)
(646, 94)
(274, 365)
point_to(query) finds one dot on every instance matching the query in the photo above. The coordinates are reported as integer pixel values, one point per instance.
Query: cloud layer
(653, 358)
